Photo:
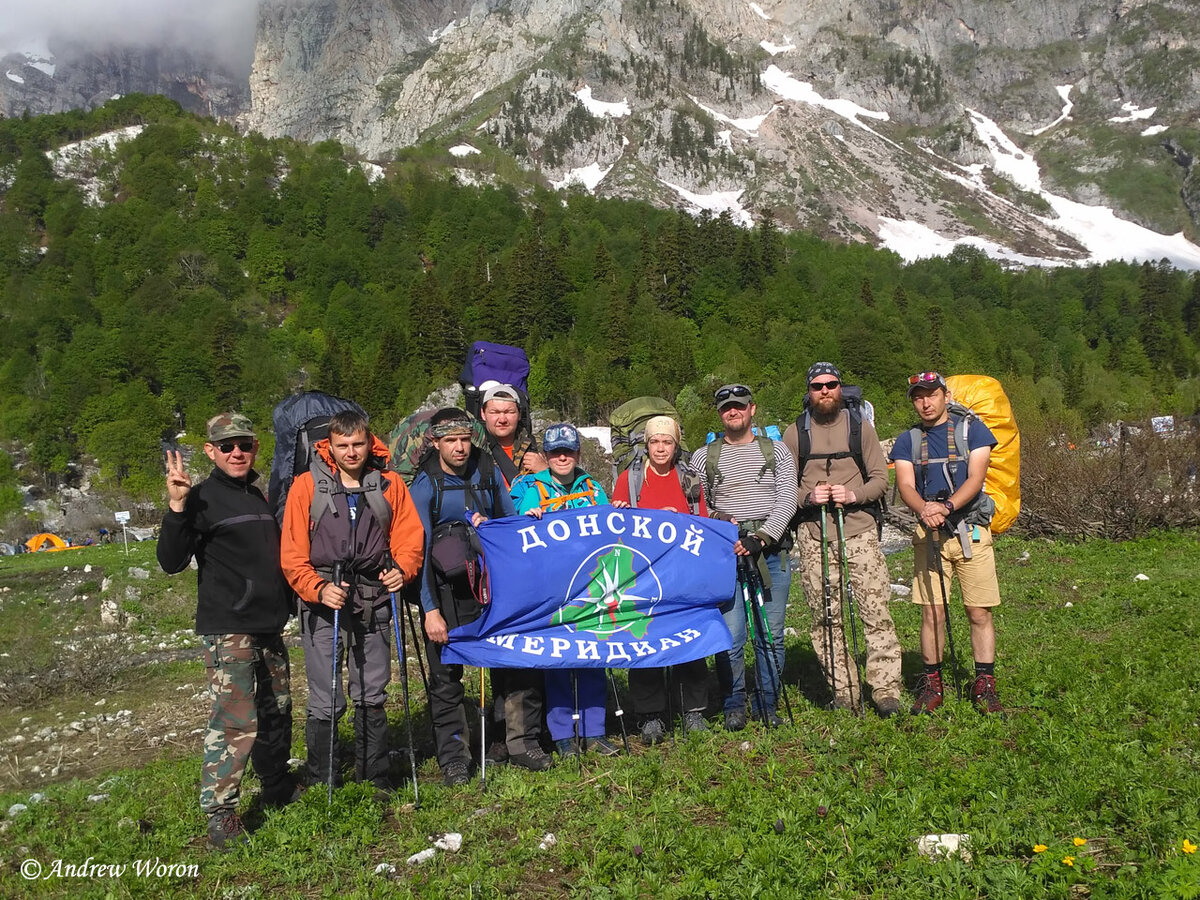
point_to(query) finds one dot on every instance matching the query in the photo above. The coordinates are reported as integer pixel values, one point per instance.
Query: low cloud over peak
(224, 28)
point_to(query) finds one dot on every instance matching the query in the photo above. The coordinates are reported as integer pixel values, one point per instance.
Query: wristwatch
(949, 507)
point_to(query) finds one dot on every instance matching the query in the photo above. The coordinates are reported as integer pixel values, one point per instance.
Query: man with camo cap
(242, 605)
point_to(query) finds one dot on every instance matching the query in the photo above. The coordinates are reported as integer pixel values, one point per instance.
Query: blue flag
(601, 587)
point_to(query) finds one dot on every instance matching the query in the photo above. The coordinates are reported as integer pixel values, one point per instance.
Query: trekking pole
(333, 725)
(827, 587)
(416, 639)
(482, 733)
(402, 659)
(936, 544)
(575, 717)
(744, 564)
(765, 626)
(618, 712)
(848, 601)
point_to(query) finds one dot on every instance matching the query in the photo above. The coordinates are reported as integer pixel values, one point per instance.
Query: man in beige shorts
(940, 469)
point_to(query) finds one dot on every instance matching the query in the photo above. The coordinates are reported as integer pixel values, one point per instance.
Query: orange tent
(45, 541)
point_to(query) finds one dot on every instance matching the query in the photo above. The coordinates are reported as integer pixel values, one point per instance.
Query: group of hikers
(355, 537)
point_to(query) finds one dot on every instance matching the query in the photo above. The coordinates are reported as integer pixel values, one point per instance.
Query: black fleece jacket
(227, 525)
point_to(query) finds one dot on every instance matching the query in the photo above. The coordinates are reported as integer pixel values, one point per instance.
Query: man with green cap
(242, 605)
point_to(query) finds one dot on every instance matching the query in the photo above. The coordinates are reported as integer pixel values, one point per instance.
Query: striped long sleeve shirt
(748, 490)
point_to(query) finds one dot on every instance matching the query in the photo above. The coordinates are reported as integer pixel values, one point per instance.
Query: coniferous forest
(219, 270)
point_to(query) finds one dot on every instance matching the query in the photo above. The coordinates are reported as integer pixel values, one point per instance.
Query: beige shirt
(835, 438)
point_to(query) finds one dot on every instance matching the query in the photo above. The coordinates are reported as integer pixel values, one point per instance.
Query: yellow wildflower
(1188, 846)
(1039, 848)
(1068, 860)
(1079, 842)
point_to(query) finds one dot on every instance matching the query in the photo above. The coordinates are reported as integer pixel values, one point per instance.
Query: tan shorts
(976, 576)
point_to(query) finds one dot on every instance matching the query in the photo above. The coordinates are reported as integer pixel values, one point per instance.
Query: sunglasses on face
(738, 390)
(226, 447)
(925, 378)
(818, 386)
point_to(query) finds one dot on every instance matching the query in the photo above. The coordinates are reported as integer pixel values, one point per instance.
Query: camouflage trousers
(249, 685)
(871, 588)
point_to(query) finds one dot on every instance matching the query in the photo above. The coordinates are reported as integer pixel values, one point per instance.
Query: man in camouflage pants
(833, 476)
(242, 605)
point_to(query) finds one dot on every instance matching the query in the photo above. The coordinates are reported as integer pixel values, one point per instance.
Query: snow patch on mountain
(588, 176)
(1153, 130)
(444, 32)
(69, 158)
(782, 83)
(599, 108)
(758, 11)
(1105, 236)
(750, 124)
(1064, 91)
(1135, 114)
(717, 203)
(463, 150)
(774, 49)
(16, 78)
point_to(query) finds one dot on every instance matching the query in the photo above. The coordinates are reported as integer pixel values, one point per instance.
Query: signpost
(123, 520)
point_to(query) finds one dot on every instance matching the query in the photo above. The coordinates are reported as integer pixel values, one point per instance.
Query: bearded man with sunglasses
(751, 480)
(831, 477)
(243, 603)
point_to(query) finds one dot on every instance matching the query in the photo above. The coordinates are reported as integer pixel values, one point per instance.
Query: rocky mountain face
(62, 75)
(832, 115)
(851, 118)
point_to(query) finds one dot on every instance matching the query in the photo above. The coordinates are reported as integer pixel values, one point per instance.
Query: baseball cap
(560, 437)
(925, 380)
(229, 425)
(499, 391)
(732, 395)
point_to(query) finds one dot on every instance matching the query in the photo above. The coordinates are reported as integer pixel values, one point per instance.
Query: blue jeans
(731, 666)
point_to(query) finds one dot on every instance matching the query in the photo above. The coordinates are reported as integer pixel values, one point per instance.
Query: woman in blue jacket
(563, 485)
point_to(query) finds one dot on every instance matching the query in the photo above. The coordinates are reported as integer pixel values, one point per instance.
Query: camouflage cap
(229, 425)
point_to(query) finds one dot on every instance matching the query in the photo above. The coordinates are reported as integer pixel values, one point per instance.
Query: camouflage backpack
(410, 443)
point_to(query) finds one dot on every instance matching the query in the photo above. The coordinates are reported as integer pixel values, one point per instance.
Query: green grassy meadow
(1089, 787)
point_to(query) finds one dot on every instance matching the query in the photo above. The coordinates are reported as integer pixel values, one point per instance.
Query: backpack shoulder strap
(325, 485)
(803, 443)
(637, 477)
(373, 485)
(712, 469)
(692, 488)
(854, 422)
(767, 446)
(500, 460)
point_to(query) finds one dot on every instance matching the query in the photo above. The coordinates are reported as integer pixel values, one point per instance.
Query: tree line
(220, 270)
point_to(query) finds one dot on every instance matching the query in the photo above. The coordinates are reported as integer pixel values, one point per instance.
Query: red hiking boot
(983, 695)
(929, 693)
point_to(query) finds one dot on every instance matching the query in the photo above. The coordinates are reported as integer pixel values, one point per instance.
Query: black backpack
(852, 400)
(299, 422)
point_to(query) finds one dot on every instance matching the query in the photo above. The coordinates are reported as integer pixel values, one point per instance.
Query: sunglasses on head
(816, 386)
(226, 447)
(738, 390)
(924, 378)
(560, 434)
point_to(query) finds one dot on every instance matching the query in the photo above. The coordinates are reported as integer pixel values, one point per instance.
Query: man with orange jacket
(347, 512)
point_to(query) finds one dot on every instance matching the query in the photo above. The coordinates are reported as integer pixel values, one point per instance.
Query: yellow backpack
(984, 396)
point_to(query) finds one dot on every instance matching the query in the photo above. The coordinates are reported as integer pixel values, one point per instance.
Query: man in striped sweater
(751, 480)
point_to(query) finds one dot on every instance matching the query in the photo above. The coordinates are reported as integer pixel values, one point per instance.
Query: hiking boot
(497, 754)
(226, 831)
(653, 731)
(535, 759)
(693, 722)
(770, 718)
(735, 719)
(286, 791)
(567, 747)
(887, 707)
(929, 693)
(602, 746)
(983, 695)
(843, 704)
(456, 773)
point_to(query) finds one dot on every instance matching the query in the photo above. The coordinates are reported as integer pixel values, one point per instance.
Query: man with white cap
(512, 446)
(661, 481)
